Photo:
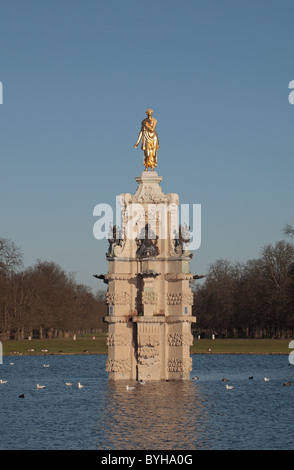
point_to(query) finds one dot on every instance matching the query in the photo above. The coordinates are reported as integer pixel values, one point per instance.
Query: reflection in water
(157, 415)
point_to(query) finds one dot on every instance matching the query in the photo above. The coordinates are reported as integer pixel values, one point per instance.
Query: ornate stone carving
(180, 298)
(120, 298)
(117, 340)
(180, 339)
(118, 365)
(147, 243)
(180, 365)
(114, 241)
(146, 339)
(148, 194)
(118, 277)
(179, 276)
(149, 298)
(148, 349)
(184, 237)
(148, 355)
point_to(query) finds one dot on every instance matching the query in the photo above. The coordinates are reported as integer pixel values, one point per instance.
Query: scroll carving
(149, 298)
(118, 365)
(121, 298)
(180, 365)
(148, 340)
(148, 349)
(180, 339)
(117, 340)
(180, 298)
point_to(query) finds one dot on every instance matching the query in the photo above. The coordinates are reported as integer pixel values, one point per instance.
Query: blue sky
(77, 78)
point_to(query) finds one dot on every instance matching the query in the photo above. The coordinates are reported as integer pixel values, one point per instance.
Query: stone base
(149, 348)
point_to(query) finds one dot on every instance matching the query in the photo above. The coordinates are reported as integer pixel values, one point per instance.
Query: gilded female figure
(150, 142)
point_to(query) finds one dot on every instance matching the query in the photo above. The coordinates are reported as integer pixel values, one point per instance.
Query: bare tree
(288, 230)
(10, 256)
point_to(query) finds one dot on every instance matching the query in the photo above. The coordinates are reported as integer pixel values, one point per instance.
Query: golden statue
(150, 142)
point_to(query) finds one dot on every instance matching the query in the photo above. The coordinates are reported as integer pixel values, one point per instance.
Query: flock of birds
(40, 387)
(131, 387)
(230, 387)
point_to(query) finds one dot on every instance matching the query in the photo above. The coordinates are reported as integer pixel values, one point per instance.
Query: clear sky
(78, 76)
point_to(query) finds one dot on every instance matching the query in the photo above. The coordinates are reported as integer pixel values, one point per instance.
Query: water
(188, 415)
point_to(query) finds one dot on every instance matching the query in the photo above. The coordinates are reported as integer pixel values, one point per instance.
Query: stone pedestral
(149, 297)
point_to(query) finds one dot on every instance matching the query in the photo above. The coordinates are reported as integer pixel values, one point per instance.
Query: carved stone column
(149, 297)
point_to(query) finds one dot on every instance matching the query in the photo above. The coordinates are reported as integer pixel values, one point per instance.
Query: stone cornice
(180, 319)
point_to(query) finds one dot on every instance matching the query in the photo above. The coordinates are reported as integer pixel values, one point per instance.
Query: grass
(82, 345)
(86, 345)
(241, 346)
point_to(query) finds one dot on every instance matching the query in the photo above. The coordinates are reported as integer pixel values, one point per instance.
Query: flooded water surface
(191, 415)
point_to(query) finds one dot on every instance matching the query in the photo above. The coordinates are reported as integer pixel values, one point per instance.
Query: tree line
(254, 299)
(43, 300)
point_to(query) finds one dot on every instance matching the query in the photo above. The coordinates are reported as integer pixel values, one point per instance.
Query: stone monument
(149, 296)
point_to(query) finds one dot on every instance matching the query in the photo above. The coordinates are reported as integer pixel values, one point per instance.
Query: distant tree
(251, 299)
(288, 230)
(10, 256)
(10, 262)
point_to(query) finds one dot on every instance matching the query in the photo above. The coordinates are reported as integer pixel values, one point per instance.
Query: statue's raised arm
(150, 141)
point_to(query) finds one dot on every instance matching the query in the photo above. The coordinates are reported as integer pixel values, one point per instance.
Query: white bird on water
(46, 365)
(3, 381)
(266, 379)
(80, 385)
(40, 386)
(68, 383)
(229, 387)
(129, 388)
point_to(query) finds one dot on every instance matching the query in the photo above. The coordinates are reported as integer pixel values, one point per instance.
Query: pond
(190, 415)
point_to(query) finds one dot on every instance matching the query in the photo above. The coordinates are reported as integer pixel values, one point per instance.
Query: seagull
(3, 381)
(129, 388)
(46, 365)
(68, 383)
(266, 379)
(11, 363)
(40, 386)
(80, 385)
(229, 387)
